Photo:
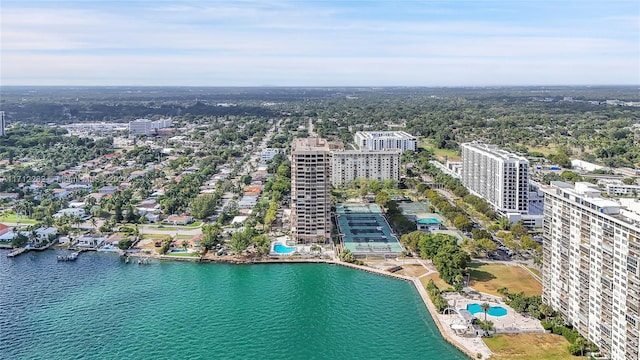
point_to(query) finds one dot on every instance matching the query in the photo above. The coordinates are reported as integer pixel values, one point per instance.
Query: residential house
(179, 220)
(71, 212)
(4, 229)
(61, 193)
(10, 196)
(108, 190)
(91, 240)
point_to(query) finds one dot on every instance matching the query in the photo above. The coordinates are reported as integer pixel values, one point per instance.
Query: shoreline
(251, 261)
(414, 280)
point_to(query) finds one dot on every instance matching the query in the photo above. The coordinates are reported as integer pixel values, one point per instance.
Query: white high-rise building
(499, 177)
(383, 140)
(141, 127)
(310, 190)
(2, 123)
(148, 127)
(348, 165)
(591, 265)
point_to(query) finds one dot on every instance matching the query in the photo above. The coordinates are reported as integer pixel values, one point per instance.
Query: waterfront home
(179, 220)
(91, 240)
(46, 233)
(4, 229)
(8, 236)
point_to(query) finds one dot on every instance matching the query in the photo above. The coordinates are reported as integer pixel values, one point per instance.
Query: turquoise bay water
(98, 307)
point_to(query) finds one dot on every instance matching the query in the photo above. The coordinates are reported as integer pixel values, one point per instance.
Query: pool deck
(511, 323)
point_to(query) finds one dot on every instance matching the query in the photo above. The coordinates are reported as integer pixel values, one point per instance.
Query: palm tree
(581, 343)
(77, 221)
(546, 310)
(94, 223)
(485, 307)
(185, 244)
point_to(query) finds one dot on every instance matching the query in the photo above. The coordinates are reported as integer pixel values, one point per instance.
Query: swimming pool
(283, 249)
(493, 311)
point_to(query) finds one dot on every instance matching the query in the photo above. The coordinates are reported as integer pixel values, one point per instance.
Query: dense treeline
(519, 118)
(450, 260)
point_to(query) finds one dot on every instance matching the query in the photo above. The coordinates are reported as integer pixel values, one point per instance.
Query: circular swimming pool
(493, 311)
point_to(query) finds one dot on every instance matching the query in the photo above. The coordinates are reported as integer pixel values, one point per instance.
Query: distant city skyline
(319, 43)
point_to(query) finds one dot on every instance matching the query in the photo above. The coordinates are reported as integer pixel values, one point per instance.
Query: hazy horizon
(320, 44)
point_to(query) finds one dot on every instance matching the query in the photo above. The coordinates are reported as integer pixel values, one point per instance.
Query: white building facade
(148, 127)
(591, 271)
(383, 140)
(3, 123)
(499, 177)
(348, 165)
(623, 189)
(310, 190)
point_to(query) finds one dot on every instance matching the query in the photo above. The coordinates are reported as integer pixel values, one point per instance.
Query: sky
(319, 43)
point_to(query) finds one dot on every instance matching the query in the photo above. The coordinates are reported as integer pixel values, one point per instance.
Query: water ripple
(101, 308)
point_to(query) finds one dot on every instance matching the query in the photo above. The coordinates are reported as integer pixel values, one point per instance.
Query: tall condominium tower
(348, 165)
(381, 140)
(310, 190)
(591, 271)
(2, 123)
(499, 177)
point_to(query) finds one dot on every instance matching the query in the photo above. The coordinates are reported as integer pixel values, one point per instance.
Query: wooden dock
(17, 252)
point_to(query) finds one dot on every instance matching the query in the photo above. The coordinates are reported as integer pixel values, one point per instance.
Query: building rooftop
(494, 150)
(310, 144)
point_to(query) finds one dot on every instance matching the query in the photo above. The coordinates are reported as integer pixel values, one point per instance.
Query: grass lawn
(12, 218)
(452, 155)
(535, 271)
(488, 278)
(183, 254)
(184, 237)
(545, 150)
(441, 284)
(412, 270)
(529, 347)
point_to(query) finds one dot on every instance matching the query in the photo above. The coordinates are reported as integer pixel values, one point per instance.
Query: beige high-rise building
(349, 165)
(310, 190)
(591, 265)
